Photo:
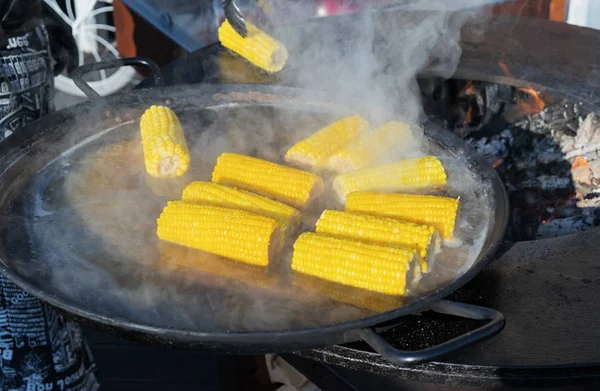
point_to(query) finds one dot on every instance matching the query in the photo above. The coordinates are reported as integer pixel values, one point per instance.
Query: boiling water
(91, 223)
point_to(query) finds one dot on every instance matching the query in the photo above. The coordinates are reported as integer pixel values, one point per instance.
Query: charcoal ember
(589, 151)
(591, 200)
(534, 155)
(546, 182)
(593, 203)
(582, 174)
(589, 131)
(565, 142)
(495, 147)
(559, 119)
(546, 115)
(560, 227)
(595, 169)
(547, 152)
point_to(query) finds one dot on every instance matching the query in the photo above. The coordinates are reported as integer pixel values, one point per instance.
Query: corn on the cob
(258, 47)
(185, 259)
(380, 230)
(440, 212)
(362, 265)
(228, 197)
(361, 298)
(289, 185)
(314, 151)
(166, 153)
(411, 174)
(231, 233)
(391, 138)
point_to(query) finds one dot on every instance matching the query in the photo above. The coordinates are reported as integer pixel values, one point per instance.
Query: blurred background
(164, 30)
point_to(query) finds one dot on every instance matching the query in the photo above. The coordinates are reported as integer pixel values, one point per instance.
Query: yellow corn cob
(440, 212)
(411, 174)
(166, 153)
(389, 139)
(380, 230)
(231, 233)
(314, 151)
(219, 195)
(376, 268)
(372, 301)
(257, 47)
(289, 185)
(215, 194)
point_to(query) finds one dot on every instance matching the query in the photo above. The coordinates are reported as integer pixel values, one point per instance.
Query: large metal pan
(63, 240)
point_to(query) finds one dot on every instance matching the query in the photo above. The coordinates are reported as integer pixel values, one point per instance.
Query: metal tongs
(234, 17)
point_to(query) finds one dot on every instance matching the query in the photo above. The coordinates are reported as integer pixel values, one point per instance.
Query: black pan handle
(400, 357)
(77, 73)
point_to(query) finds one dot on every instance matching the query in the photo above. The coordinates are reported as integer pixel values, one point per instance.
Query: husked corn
(315, 150)
(440, 212)
(258, 47)
(410, 174)
(391, 138)
(362, 265)
(166, 154)
(228, 197)
(289, 185)
(231, 233)
(380, 230)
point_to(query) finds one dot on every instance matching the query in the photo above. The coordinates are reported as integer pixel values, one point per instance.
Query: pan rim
(491, 245)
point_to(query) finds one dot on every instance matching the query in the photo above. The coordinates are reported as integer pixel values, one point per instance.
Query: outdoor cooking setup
(532, 115)
(522, 117)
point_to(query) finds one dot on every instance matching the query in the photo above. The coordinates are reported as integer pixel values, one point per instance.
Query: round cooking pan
(77, 221)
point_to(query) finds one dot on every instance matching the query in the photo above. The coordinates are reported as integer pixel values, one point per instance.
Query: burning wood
(529, 102)
(546, 150)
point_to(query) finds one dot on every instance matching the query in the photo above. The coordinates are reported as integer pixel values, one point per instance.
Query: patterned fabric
(39, 349)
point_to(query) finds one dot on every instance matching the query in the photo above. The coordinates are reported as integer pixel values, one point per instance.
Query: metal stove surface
(547, 289)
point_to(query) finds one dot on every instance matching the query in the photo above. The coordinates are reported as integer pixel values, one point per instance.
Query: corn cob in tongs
(234, 17)
(256, 46)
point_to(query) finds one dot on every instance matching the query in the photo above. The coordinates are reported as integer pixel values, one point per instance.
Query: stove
(525, 96)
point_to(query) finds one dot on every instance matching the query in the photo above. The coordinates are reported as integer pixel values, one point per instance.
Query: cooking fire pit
(525, 96)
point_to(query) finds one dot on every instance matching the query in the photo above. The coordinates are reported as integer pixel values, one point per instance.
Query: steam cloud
(368, 60)
(374, 56)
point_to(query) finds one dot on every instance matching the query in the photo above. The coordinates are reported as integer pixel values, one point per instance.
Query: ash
(550, 165)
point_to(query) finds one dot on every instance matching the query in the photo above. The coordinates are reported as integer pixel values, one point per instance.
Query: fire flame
(579, 162)
(497, 163)
(466, 121)
(467, 89)
(533, 104)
